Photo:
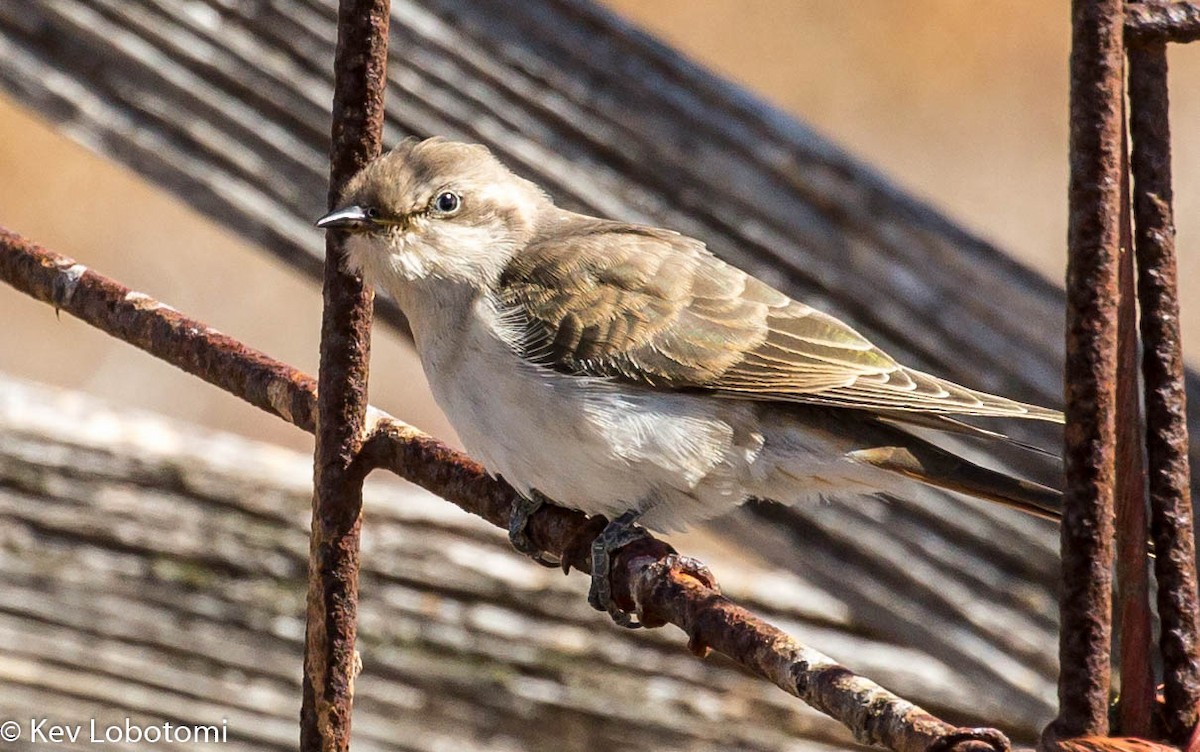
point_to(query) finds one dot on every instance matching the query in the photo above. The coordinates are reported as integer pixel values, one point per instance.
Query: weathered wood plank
(607, 119)
(155, 570)
(224, 103)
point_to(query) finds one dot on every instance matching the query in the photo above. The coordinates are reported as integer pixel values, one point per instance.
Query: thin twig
(645, 575)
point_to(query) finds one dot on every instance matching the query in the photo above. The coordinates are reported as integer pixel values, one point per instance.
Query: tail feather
(952, 425)
(935, 466)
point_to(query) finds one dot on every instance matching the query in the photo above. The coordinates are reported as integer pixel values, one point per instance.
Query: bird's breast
(587, 442)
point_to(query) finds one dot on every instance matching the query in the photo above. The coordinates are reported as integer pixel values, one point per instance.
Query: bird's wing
(656, 308)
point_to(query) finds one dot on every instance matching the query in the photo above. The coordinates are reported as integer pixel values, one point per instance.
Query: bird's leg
(523, 507)
(615, 536)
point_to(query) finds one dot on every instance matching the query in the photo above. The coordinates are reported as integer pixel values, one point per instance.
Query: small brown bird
(625, 370)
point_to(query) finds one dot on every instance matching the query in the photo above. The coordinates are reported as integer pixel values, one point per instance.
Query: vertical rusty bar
(1162, 367)
(1135, 711)
(1093, 238)
(360, 72)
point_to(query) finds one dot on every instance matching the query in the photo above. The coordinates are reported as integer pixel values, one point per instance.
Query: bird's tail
(935, 466)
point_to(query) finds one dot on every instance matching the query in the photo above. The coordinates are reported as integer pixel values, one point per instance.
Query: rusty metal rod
(160, 330)
(330, 658)
(1137, 701)
(1162, 22)
(645, 574)
(1166, 401)
(1090, 380)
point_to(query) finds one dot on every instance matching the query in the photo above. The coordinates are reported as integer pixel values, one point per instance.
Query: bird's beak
(346, 218)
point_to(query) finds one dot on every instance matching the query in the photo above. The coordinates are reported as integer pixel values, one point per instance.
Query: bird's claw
(616, 535)
(522, 509)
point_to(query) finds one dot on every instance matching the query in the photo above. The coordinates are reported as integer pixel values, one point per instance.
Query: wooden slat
(155, 570)
(224, 103)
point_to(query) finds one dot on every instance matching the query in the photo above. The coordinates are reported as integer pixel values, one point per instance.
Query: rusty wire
(330, 658)
(1134, 618)
(1163, 372)
(1099, 207)
(1162, 22)
(1090, 381)
(646, 575)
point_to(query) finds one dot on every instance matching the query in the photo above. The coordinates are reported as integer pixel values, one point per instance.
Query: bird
(625, 370)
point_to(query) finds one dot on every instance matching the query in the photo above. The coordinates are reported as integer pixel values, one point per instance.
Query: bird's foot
(522, 509)
(616, 535)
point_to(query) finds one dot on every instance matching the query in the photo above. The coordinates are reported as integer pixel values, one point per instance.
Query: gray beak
(349, 217)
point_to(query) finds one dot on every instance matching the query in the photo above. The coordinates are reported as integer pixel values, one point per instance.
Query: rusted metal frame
(1165, 398)
(330, 658)
(160, 330)
(1135, 711)
(1094, 199)
(1162, 22)
(647, 574)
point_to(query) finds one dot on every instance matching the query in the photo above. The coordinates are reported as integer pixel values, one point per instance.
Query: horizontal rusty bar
(645, 573)
(160, 330)
(1162, 22)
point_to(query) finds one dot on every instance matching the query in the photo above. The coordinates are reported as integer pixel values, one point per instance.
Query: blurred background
(963, 104)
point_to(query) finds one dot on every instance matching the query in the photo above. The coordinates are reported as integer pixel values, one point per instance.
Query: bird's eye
(371, 212)
(447, 202)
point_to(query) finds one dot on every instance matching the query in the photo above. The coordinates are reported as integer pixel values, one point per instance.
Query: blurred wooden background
(962, 103)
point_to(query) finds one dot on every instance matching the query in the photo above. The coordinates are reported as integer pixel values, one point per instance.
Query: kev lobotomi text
(43, 730)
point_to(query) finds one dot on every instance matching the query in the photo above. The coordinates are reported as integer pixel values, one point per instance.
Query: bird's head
(435, 210)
